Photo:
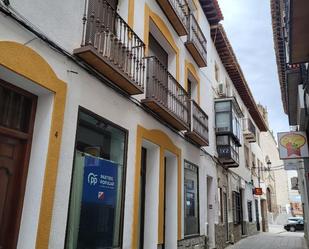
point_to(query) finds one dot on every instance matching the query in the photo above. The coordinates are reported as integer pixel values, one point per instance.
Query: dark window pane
(250, 211)
(191, 199)
(97, 185)
(236, 207)
(15, 110)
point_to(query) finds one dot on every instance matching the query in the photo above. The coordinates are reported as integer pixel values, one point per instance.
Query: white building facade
(113, 109)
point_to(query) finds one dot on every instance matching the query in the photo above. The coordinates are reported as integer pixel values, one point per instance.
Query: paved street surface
(277, 238)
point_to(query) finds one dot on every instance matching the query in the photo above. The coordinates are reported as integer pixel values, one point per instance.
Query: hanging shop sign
(258, 191)
(100, 181)
(293, 145)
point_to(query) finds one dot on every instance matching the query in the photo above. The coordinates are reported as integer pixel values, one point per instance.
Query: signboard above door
(258, 191)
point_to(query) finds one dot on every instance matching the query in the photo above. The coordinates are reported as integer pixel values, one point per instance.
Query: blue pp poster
(100, 181)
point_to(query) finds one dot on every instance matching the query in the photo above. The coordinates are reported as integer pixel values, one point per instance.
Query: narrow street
(276, 238)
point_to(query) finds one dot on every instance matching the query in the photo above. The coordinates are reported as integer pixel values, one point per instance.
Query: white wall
(64, 26)
(85, 90)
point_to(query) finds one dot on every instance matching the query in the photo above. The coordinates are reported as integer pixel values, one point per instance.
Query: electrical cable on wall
(8, 10)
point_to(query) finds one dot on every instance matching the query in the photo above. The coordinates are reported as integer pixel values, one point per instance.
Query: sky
(248, 27)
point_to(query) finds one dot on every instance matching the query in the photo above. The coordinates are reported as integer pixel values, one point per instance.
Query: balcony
(198, 125)
(196, 43)
(228, 114)
(228, 151)
(228, 156)
(177, 12)
(112, 48)
(165, 96)
(249, 130)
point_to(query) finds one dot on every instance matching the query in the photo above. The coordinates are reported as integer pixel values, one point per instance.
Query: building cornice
(279, 45)
(235, 73)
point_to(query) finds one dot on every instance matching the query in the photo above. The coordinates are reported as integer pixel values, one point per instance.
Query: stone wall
(252, 230)
(236, 232)
(199, 242)
(220, 236)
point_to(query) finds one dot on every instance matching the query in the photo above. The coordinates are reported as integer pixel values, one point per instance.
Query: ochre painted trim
(149, 14)
(161, 200)
(189, 67)
(131, 13)
(27, 63)
(164, 142)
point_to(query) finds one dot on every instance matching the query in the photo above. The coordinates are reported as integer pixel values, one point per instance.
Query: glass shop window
(96, 208)
(191, 199)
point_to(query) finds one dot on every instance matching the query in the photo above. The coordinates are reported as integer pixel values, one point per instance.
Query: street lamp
(268, 164)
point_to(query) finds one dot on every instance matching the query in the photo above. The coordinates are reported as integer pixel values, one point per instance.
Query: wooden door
(17, 112)
(11, 155)
(160, 70)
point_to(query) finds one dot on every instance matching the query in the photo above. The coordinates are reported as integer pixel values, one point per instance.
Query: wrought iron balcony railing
(198, 125)
(165, 96)
(111, 47)
(177, 11)
(228, 155)
(196, 42)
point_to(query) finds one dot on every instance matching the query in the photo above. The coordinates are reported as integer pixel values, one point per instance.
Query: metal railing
(199, 120)
(113, 39)
(234, 154)
(162, 87)
(181, 7)
(228, 152)
(197, 37)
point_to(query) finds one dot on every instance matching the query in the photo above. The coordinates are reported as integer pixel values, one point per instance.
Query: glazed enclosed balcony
(228, 151)
(165, 96)
(249, 130)
(228, 114)
(111, 47)
(177, 12)
(198, 125)
(196, 43)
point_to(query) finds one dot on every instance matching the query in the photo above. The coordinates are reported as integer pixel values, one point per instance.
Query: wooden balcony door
(155, 49)
(17, 109)
(104, 12)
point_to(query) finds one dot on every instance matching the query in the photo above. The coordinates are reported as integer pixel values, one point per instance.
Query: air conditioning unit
(222, 90)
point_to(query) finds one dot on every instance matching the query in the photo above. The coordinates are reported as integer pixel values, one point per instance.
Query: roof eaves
(279, 46)
(212, 11)
(234, 70)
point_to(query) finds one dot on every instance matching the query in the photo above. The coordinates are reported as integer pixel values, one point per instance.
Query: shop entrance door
(257, 215)
(17, 110)
(226, 216)
(243, 229)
